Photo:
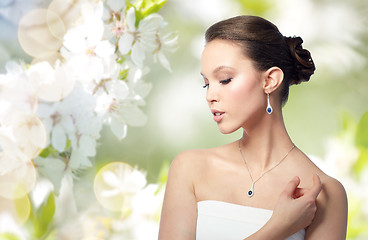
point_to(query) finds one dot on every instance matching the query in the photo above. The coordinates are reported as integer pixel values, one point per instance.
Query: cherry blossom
(141, 39)
(52, 113)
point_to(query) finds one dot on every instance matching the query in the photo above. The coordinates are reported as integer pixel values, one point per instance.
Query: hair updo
(263, 43)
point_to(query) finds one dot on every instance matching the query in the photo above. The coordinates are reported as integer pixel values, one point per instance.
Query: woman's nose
(212, 94)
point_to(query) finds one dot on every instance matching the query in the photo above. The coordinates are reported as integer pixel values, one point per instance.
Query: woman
(261, 186)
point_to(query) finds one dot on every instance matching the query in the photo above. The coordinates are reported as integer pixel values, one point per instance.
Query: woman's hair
(263, 43)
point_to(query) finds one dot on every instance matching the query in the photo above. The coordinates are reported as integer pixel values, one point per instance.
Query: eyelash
(226, 81)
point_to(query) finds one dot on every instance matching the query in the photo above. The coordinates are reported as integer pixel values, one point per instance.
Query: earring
(269, 108)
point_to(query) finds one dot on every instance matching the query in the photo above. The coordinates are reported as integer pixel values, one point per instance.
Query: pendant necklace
(250, 192)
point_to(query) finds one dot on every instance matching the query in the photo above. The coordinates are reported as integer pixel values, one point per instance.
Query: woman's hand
(295, 208)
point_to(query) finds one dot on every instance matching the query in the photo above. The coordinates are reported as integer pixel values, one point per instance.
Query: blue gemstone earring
(269, 108)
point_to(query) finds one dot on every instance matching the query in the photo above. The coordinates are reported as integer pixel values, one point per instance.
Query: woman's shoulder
(197, 159)
(332, 210)
(332, 189)
(333, 192)
(193, 157)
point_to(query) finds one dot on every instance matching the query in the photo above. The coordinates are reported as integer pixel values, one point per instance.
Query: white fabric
(227, 221)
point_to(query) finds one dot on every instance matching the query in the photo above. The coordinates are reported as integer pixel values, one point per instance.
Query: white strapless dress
(227, 221)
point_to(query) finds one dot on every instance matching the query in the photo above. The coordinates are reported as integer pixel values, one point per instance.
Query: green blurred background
(335, 32)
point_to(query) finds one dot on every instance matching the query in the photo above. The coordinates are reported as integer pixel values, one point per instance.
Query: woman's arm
(294, 211)
(330, 221)
(179, 210)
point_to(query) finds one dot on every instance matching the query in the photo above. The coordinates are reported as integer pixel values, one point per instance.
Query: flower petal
(116, 5)
(134, 116)
(138, 55)
(78, 160)
(151, 23)
(118, 89)
(130, 18)
(109, 193)
(125, 43)
(110, 178)
(58, 138)
(87, 145)
(104, 49)
(118, 128)
(142, 88)
(163, 60)
(53, 169)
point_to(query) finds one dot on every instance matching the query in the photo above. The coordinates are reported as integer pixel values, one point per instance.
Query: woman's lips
(217, 115)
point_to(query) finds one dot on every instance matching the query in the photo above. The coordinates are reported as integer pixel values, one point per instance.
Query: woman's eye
(226, 81)
(206, 85)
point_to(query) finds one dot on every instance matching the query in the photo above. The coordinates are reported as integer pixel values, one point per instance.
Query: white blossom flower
(74, 118)
(52, 84)
(30, 134)
(123, 180)
(115, 5)
(53, 169)
(108, 107)
(18, 94)
(141, 39)
(116, 184)
(11, 157)
(58, 120)
(168, 42)
(85, 49)
(19, 181)
(60, 108)
(113, 13)
(139, 88)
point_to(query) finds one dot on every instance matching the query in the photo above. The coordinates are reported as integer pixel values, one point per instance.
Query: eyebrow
(219, 68)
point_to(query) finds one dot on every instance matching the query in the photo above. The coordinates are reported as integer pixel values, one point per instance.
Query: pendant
(251, 192)
(269, 109)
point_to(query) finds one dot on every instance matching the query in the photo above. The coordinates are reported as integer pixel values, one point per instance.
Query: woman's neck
(265, 143)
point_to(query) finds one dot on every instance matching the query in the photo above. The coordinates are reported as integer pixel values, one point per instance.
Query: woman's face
(235, 91)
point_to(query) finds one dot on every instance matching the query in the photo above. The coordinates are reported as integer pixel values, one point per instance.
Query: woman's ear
(273, 78)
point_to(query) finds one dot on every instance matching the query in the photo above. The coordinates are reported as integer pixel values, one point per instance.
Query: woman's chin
(224, 130)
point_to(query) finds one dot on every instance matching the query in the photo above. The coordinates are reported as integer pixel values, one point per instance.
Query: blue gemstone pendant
(269, 108)
(250, 192)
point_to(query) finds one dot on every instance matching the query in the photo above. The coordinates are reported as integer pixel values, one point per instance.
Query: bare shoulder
(189, 159)
(333, 192)
(330, 221)
(188, 164)
(306, 168)
(332, 188)
(197, 159)
(332, 200)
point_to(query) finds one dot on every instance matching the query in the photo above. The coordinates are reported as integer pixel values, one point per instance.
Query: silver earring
(269, 108)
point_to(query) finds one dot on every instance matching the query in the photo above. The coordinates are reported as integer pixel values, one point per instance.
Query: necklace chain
(251, 191)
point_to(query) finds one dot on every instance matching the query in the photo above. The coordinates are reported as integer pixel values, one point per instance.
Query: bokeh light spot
(31, 135)
(109, 187)
(22, 209)
(40, 33)
(18, 182)
(68, 10)
(18, 209)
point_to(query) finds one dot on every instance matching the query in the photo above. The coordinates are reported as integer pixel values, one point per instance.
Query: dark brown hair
(263, 43)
